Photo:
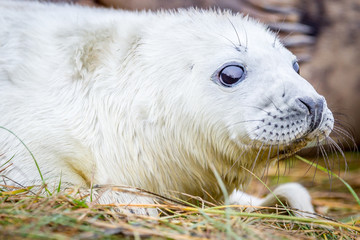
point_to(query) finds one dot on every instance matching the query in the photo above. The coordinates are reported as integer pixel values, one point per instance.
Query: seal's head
(272, 105)
(236, 75)
(226, 90)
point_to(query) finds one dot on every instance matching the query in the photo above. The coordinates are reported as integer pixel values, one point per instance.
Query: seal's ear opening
(296, 67)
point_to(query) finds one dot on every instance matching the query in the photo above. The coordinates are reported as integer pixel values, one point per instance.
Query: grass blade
(351, 190)
(32, 155)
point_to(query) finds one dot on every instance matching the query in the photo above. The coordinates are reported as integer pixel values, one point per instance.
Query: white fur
(292, 194)
(114, 97)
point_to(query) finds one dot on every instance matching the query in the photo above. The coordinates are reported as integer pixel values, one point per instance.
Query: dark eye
(296, 67)
(231, 75)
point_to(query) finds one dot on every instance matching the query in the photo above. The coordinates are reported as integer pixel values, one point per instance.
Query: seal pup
(163, 101)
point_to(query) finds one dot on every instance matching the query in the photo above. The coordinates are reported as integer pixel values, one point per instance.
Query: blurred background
(324, 34)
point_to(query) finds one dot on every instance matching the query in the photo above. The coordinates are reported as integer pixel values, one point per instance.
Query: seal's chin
(282, 151)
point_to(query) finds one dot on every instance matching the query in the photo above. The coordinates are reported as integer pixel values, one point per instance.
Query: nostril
(314, 109)
(307, 103)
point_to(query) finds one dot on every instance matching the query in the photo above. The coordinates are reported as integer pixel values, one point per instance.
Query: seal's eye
(231, 75)
(296, 67)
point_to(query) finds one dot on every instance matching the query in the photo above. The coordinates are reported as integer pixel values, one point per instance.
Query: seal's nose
(314, 108)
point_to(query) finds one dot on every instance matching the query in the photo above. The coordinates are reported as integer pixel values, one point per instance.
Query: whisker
(340, 141)
(246, 38)
(256, 158)
(334, 152)
(326, 161)
(267, 165)
(344, 134)
(339, 150)
(287, 36)
(237, 34)
(276, 107)
(316, 166)
(244, 151)
(234, 45)
(344, 126)
(278, 163)
(235, 162)
(253, 120)
(325, 154)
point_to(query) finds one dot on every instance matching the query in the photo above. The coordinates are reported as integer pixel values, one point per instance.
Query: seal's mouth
(283, 154)
(280, 152)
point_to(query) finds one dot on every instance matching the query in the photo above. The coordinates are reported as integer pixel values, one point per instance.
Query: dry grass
(66, 215)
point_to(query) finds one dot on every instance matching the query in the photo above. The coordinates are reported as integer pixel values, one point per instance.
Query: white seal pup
(159, 101)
